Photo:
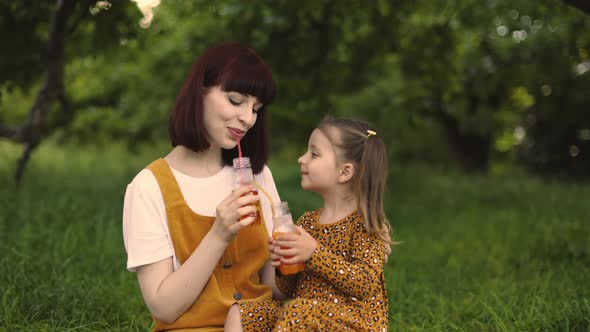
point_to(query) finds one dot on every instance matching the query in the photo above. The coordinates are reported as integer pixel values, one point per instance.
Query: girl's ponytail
(361, 144)
(371, 179)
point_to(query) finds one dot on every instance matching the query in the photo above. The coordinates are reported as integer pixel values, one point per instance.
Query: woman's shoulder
(145, 185)
(145, 178)
(265, 173)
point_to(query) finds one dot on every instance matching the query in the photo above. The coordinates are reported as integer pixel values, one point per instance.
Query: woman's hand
(296, 248)
(229, 212)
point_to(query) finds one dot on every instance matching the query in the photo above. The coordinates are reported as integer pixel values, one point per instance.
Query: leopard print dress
(341, 289)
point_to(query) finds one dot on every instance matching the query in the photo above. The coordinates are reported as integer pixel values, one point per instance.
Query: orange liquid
(258, 212)
(288, 269)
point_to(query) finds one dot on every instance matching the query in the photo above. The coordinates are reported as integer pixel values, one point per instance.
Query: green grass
(478, 253)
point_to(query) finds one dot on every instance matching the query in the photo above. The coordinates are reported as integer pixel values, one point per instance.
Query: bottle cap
(281, 208)
(241, 162)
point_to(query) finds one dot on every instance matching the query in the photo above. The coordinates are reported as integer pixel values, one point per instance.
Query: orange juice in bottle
(243, 176)
(283, 224)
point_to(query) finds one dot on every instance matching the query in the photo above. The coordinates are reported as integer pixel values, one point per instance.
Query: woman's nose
(247, 118)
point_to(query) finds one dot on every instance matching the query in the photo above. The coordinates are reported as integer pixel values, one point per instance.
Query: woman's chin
(229, 145)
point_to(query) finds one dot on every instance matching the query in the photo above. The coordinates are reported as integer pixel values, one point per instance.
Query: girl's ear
(346, 172)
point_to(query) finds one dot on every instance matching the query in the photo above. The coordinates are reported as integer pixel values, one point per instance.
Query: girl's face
(319, 166)
(228, 116)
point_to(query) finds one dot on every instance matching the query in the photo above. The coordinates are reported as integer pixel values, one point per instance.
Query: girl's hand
(385, 231)
(231, 209)
(298, 247)
(275, 259)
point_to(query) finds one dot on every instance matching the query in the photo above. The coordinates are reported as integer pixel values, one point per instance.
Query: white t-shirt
(145, 224)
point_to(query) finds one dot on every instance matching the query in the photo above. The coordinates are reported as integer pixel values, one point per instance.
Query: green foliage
(14, 104)
(511, 257)
(450, 82)
(25, 31)
(20, 62)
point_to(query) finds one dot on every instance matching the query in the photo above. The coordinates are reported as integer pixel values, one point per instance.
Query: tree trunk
(472, 150)
(30, 133)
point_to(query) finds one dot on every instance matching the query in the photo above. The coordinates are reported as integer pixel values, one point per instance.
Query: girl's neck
(337, 206)
(196, 164)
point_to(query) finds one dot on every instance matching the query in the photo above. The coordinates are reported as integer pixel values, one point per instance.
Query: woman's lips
(236, 133)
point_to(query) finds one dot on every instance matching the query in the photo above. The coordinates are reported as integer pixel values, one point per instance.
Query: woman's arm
(268, 278)
(168, 293)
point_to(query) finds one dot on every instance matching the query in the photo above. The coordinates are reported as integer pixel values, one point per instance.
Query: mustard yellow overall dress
(236, 276)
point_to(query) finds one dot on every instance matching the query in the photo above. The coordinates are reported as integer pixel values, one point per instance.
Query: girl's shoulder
(357, 220)
(359, 227)
(308, 217)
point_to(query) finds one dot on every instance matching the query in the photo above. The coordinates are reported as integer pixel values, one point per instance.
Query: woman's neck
(337, 205)
(196, 164)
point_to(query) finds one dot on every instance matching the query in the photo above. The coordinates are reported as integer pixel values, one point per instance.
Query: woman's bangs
(252, 79)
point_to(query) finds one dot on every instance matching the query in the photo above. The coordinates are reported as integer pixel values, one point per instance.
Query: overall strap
(167, 182)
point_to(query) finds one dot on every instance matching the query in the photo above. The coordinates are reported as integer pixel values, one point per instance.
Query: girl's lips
(236, 133)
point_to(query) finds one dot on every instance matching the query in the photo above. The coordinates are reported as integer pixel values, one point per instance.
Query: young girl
(187, 235)
(343, 245)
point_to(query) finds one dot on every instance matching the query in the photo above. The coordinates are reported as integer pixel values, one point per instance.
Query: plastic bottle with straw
(243, 176)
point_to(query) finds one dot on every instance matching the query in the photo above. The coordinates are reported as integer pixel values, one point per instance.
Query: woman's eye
(313, 155)
(233, 102)
(255, 111)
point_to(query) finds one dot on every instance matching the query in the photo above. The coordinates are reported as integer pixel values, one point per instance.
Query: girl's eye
(233, 102)
(255, 111)
(313, 155)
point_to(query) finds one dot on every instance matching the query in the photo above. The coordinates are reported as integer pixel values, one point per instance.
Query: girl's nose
(300, 160)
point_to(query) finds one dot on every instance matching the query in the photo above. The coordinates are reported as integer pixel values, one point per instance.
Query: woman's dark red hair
(233, 67)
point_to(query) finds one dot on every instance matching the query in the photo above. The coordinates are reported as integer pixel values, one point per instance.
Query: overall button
(238, 296)
(227, 265)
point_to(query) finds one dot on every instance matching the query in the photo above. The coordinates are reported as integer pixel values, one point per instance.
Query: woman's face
(228, 115)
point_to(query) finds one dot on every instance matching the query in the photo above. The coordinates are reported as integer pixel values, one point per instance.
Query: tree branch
(10, 132)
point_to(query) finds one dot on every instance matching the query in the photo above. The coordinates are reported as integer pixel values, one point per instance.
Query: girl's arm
(168, 293)
(286, 284)
(358, 275)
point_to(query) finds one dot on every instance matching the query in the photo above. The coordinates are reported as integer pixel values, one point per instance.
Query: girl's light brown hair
(354, 144)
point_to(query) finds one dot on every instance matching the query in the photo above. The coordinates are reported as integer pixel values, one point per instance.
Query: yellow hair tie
(370, 132)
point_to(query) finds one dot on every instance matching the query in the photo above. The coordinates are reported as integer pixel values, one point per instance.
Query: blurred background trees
(478, 85)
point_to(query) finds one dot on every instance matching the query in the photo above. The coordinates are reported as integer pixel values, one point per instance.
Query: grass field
(478, 253)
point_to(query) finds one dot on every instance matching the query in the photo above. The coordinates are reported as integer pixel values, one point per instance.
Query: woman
(187, 235)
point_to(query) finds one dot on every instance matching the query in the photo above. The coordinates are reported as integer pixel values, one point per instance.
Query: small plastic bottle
(283, 224)
(243, 176)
